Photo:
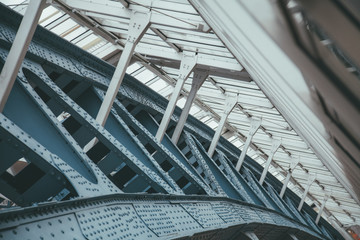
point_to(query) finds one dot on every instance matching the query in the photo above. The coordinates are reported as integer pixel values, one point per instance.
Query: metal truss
(128, 185)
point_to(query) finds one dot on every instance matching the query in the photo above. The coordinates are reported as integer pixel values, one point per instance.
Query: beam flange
(254, 126)
(198, 79)
(187, 65)
(274, 147)
(230, 103)
(18, 49)
(294, 162)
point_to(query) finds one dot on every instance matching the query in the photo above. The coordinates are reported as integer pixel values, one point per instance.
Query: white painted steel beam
(310, 181)
(294, 162)
(251, 235)
(230, 103)
(198, 79)
(254, 126)
(18, 49)
(139, 23)
(326, 197)
(293, 237)
(187, 65)
(341, 230)
(274, 147)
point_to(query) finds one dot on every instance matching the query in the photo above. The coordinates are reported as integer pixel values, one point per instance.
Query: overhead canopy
(100, 27)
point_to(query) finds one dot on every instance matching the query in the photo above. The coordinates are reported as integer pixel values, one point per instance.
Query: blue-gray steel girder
(143, 216)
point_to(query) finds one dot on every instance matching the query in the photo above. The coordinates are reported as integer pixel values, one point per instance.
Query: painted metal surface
(129, 185)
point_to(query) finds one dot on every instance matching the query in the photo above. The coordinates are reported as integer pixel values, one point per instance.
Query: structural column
(254, 126)
(187, 65)
(198, 79)
(18, 49)
(294, 162)
(340, 228)
(139, 23)
(293, 237)
(310, 180)
(230, 103)
(274, 147)
(251, 235)
(326, 197)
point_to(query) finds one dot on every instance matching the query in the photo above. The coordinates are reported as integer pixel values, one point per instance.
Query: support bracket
(310, 181)
(139, 23)
(198, 79)
(230, 103)
(18, 49)
(254, 126)
(274, 147)
(294, 162)
(188, 63)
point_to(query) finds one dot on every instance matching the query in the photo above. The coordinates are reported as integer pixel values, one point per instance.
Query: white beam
(230, 103)
(254, 126)
(198, 79)
(274, 147)
(294, 162)
(293, 236)
(18, 49)
(251, 235)
(139, 23)
(341, 230)
(310, 180)
(326, 197)
(187, 65)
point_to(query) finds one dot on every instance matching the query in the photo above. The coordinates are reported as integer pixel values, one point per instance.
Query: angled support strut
(294, 162)
(274, 147)
(255, 124)
(198, 80)
(18, 49)
(187, 65)
(310, 181)
(139, 23)
(230, 103)
(326, 197)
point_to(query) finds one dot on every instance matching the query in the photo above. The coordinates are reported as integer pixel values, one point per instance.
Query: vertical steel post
(326, 197)
(294, 162)
(18, 49)
(187, 65)
(254, 126)
(274, 147)
(230, 103)
(198, 79)
(310, 180)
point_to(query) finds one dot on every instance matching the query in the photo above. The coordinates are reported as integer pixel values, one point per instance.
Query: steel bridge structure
(129, 185)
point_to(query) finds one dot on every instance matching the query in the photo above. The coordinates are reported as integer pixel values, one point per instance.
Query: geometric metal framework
(179, 28)
(128, 185)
